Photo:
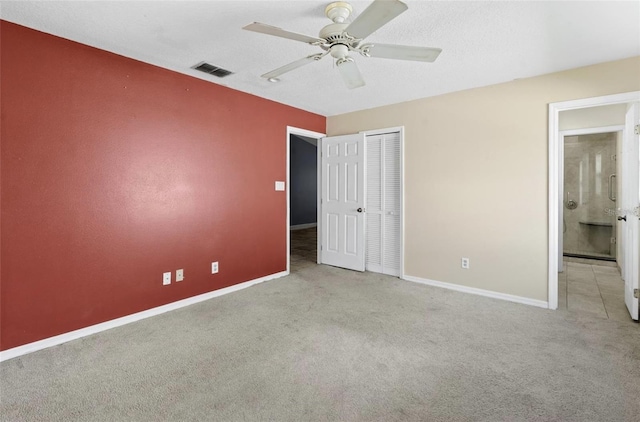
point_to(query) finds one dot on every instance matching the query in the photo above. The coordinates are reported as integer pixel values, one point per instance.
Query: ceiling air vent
(212, 70)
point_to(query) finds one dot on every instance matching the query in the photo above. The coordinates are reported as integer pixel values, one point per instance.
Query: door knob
(359, 210)
(620, 218)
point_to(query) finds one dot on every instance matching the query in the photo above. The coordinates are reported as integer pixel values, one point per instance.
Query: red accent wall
(114, 171)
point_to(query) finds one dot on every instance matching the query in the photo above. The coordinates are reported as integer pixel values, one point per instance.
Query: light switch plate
(179, 275)
(279, 185)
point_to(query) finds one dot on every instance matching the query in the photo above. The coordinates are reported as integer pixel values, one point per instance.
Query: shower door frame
(555, 153)
(562, 135)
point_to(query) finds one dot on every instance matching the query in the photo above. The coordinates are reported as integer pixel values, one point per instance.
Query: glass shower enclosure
(590, 190)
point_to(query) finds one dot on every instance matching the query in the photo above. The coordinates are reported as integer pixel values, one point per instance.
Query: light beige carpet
(326, 344)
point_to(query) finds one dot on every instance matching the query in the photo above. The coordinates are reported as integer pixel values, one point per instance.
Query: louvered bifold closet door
(392, 204)
(383, 204)
(374, 203)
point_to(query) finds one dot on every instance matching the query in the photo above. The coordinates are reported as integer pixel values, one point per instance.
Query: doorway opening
(302, 193)
(593, 186)
(590, 190)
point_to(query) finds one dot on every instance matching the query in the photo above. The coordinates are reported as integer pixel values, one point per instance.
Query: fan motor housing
(334, 33)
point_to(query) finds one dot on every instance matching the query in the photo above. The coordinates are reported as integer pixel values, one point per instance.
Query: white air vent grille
(212, 70)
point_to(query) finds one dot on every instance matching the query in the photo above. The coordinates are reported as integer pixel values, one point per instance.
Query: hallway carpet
(326, 344)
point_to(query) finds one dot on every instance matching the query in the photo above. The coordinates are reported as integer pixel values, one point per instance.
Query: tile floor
(594, 288)
(585, 286)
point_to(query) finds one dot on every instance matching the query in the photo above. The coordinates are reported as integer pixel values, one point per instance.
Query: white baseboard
(479, 292)
(303, 226)
(93, 329)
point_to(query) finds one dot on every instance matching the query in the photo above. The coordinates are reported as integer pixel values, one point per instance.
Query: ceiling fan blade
(350, 73)
(294, 65)
(374, 17)
(278, 32)
(401, 52)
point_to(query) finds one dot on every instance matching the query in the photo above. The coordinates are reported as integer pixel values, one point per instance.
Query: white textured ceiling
(483, 42)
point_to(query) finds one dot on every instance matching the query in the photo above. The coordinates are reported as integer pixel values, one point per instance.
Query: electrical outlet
(166, 278)
(465, 263)
(179, 275)
(214, 267)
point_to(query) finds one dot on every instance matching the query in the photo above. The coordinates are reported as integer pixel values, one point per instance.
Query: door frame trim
(291, 130)
(555, 153)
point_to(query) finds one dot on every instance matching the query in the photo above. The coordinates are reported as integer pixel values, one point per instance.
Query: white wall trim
(479, 292)
(93, 329)
(555, 154)
(309, 134)
(303, 226)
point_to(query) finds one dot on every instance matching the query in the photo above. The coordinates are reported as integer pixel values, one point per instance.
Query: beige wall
(476, 175)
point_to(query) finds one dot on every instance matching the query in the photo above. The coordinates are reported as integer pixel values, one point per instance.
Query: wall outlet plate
(214, 267)
(179, 275)
(465, 263)
(166, 278)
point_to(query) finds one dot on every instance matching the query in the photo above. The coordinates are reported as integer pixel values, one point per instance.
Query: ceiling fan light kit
(340, 38)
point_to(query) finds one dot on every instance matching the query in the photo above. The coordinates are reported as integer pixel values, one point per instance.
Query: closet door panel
(374, 204)
(384, 204)
(392, 204)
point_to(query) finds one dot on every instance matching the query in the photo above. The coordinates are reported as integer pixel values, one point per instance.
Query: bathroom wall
(593, 117)
(589, 161)
(609, 115)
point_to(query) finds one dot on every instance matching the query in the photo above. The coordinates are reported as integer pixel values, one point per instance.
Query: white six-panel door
(343, 201)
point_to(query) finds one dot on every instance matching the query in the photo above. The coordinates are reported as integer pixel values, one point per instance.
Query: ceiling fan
(341, 38)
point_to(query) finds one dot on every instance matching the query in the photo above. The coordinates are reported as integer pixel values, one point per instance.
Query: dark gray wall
(303, 173)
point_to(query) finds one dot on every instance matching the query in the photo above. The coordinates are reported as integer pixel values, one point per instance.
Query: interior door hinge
(636, 293)
(637, 130)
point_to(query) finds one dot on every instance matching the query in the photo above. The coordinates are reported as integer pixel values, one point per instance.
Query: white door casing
(343, 201)
(629, 211)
